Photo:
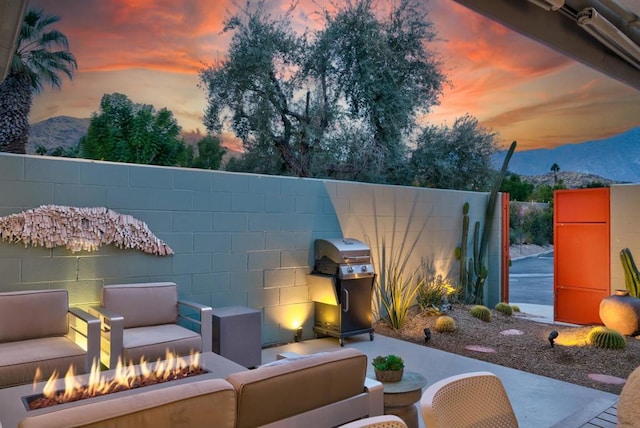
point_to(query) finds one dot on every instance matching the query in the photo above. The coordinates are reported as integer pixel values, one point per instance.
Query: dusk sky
(151, 50)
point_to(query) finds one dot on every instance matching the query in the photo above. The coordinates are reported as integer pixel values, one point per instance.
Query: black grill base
(333, 322)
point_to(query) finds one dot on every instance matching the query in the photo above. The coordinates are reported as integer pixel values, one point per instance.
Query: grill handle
(345, 307)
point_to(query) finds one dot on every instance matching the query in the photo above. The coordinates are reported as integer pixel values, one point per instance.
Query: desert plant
(604, 337)
(515, 308)
(445, 324)
(397, 283)
(481, 312)
(631, 275)
(473, 272)
(434, 290)
(505, 308)
(388, 362)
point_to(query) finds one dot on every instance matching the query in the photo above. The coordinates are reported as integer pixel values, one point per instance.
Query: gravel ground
(570, 360)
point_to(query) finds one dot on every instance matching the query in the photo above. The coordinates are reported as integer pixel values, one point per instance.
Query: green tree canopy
(41, 57)
(338, 102)
(454, 158)
(518, 190)
(209, 154)
(124, 131)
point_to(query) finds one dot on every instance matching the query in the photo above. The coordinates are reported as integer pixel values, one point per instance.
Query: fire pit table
(13, 409)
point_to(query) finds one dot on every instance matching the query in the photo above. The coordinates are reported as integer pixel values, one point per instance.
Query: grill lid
(343, 251)
(349, 258)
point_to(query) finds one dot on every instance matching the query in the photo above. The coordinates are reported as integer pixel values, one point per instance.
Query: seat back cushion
(143, 304)
(33, 314)
(269, 394)
(203, 403)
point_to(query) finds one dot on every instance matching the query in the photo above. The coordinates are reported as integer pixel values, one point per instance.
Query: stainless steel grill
(348, 258)
(341, 286)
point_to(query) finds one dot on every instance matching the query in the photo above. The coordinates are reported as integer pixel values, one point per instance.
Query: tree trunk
(15, 106)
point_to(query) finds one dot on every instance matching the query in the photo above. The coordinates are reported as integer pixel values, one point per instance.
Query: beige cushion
(33, 314)
(143, 304)
(628, 408)
(19, 360)
(269, 394)
(153, 342)
(203, 403)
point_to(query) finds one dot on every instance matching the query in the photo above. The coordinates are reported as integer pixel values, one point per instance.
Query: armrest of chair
(111, 326)
(376, 396)
(84, 330)
(204, 320)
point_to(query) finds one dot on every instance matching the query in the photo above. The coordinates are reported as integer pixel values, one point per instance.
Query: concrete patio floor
(538, 401)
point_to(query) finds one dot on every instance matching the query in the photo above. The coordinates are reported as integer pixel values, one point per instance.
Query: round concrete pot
(621, 312)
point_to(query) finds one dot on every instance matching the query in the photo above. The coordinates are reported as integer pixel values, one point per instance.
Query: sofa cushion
(269, 394)
(143, 304)
(33, 314)
(209, 402)
(153, 342)
(628, 410)
(19, 360)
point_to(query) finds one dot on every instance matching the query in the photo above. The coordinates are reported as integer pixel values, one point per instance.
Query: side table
(400, 397)
(237, 335)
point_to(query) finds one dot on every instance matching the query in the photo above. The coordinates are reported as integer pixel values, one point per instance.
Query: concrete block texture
(239, 239)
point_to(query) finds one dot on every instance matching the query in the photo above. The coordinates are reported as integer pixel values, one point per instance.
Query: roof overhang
(11, 14)
(558, 28)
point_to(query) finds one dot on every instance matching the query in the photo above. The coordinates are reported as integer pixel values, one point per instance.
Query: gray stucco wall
(239, 239)
(624, 228)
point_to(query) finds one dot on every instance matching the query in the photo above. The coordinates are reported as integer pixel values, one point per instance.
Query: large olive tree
(334, 102)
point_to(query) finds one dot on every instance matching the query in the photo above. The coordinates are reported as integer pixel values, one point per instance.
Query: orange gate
(581, 260)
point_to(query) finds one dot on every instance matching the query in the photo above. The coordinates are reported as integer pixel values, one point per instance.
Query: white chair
(476, 399)
(385, 421)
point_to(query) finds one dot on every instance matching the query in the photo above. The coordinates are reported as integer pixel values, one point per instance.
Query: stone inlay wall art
(80, 229)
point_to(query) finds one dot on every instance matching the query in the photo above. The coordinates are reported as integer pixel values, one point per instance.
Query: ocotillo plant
(631, 274)
(476, 273)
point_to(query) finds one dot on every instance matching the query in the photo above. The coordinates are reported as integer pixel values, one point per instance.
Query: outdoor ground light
(427, 334)
(553, 336)
(298, 334)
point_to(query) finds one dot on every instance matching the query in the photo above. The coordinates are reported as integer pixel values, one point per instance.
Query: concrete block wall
(624, 228)
(239, 239)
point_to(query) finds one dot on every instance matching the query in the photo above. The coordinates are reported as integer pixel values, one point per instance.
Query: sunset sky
(151, 50)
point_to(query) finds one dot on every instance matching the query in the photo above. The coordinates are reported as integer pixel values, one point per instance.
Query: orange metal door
(581, 260)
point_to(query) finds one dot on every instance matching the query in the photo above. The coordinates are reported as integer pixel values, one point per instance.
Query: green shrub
(604, 337)
(515, 308)
(481, 312)
(389, 362)
(434, 289)
(445, 324)
(505, 308)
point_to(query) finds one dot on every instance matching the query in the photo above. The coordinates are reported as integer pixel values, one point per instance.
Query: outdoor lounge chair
(385, 421)
(147, 320)
(38, 331)
(476, 399)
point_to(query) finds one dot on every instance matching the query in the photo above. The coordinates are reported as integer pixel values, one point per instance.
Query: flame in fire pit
(125, 377)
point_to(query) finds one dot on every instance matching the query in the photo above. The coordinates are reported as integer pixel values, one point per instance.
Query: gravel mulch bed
(570, 359)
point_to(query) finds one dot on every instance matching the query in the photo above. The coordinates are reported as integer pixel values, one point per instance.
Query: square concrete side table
(237, 335)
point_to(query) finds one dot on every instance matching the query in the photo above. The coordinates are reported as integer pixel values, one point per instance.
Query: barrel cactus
(445, 324)
(604, 337)
(505, 308)
(481, 312)
(515, 308)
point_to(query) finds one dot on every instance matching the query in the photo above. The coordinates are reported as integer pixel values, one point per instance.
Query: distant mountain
(59, 131)
(616, 158)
